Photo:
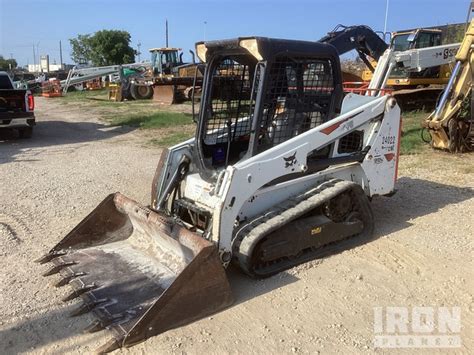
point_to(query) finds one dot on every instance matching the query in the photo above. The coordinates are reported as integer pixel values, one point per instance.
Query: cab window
(426, 39)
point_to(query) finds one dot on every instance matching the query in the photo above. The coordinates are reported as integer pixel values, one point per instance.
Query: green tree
(454, 33)
(81, 49)
(106, 47)
(7, 64)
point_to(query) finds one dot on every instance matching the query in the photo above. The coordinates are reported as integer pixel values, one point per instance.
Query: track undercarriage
(298, 230)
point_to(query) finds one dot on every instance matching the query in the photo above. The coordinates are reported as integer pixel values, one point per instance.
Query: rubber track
(247, 236)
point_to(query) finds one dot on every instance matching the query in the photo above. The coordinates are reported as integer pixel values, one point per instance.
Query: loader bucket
(164, 94)
(138, 272)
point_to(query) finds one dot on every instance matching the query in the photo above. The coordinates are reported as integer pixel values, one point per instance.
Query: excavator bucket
(165, 94)
(138, 272)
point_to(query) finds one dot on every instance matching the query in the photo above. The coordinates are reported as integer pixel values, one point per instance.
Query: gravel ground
(421, 254)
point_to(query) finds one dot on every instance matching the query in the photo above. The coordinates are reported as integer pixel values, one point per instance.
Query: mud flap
(138, 272)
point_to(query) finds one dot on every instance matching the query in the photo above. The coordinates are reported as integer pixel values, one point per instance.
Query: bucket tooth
(87, 307)
(102, 323)
(109, 346)
(58, 267)
(95, 326)
(78, 292)
(50, 256)
(65, 280)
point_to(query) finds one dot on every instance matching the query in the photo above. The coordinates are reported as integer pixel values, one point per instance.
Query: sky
(43, 23)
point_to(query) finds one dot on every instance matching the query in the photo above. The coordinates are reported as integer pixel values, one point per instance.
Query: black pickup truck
(16, 108)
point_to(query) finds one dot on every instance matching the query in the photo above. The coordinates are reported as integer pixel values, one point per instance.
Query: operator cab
(415, 39)
(164, 60)
(260, 92)
(420, 38)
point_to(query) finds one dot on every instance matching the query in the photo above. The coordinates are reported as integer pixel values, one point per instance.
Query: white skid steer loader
(282, 164)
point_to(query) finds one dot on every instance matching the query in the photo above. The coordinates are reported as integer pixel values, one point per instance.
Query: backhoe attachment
(139, 272)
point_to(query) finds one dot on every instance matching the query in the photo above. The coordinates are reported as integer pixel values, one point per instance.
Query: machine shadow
(35, 331)
(245, 288)
(54, 133)
(57, 324)
(414, 198)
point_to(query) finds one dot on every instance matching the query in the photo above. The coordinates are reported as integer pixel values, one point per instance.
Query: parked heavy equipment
(416, 39)
(418, 90)
(170, 80)
(451, 125)
(282, 165)
(365, 41)
(79, 75)
(371, 47)
(412, 60)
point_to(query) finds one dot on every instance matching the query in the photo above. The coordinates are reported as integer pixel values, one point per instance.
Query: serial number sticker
(316, 230)
(388, 140)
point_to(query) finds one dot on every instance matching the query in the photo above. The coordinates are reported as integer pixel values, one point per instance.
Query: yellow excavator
(451, 124)
(417, 39)
(416, 90)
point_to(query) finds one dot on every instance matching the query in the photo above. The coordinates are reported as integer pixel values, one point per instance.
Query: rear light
(31, 102)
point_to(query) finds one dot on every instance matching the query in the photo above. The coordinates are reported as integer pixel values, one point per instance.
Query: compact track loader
(282, 164)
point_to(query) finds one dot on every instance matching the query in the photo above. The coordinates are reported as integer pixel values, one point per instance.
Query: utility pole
(138, 50)
(34, 58)
(386, 18)
(205, 30)
(60, 54)
(166, 33)
(39, 57)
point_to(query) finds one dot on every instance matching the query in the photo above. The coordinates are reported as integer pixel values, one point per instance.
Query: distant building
(45, 67)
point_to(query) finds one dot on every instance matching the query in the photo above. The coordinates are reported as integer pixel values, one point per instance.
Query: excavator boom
(360, 38)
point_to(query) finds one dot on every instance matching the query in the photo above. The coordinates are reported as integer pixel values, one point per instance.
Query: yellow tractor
(169, 80)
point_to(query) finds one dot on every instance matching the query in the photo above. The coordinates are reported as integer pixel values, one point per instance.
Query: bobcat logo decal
(290, 161)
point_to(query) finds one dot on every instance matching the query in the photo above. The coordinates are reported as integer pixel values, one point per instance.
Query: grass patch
(411, 142)
(160, 119)
(172, 139)
(81, 96)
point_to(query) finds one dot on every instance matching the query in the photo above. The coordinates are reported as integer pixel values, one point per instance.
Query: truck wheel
(25, 132)
(141, 92)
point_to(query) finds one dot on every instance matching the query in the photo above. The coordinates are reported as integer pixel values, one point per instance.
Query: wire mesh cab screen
(230, 110)
(298, 97)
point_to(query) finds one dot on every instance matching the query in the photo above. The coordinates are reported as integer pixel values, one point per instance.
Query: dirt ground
(421, 254)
